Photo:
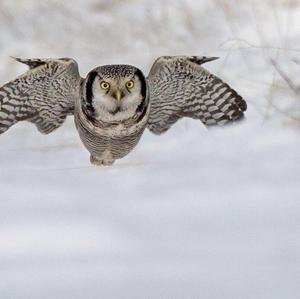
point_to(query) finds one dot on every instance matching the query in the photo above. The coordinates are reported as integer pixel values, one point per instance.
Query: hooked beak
(118, 95)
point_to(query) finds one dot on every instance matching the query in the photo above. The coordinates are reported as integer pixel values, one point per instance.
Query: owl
(114, 104)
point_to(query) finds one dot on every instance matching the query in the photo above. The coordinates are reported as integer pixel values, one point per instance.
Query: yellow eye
(130, 84)
(104, 85)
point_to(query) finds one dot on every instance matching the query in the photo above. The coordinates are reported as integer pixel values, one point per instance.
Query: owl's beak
(118, 95)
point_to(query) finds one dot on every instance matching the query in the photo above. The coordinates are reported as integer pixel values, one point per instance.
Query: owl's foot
(101, 162)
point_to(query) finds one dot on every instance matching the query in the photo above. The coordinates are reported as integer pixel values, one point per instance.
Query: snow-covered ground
(195, 213)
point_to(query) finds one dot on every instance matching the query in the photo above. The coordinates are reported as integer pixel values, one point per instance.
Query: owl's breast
(115, 140)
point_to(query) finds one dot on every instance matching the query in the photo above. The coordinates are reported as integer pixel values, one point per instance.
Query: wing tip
(242, 105)
(239, 101)
(16, 59)
(32, 63)
(202, 59)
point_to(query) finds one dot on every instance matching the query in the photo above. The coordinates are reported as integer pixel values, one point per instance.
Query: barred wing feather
(181, 87)
(44, 95)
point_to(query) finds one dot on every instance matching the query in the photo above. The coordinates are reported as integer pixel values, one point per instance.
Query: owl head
(114, 90)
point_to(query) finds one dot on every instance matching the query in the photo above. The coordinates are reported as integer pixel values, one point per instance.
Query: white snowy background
(195, 213)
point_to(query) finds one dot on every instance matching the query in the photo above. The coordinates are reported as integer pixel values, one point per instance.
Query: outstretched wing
(180, 86)
(44, 95)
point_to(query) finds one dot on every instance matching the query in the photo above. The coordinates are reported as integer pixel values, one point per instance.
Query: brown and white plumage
(44, 95)
(109, 127)
(181, 87)
(109, 115)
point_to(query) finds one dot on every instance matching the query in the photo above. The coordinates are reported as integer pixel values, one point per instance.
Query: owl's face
(115, 89)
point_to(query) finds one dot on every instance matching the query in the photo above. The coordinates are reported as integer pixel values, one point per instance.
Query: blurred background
(195, 213)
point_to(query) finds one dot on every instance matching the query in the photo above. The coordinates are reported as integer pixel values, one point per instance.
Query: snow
(194, 213)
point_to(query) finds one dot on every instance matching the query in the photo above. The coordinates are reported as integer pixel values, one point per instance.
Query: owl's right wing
(44, 95)
(181, 87)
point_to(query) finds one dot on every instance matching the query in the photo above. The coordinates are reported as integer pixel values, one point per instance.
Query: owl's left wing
(181, 87)
(44, 95)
